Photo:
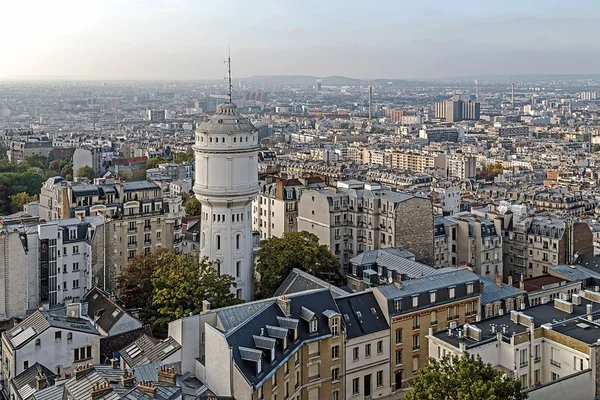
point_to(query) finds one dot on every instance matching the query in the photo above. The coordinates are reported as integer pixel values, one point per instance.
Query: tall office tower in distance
(226, 151)
(456, 110)
(318, 84)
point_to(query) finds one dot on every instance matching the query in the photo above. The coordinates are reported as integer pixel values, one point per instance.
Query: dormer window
(335, 326)
(313, 325)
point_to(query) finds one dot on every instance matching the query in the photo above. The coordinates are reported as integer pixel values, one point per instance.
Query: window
(75, 249)
(536, 376)
(555, 376)
(523, 358)
(69, 337)
(379, 378)
(82, 353)
(432, 297)
(451, 292)
(58, 336)
(398, 336)
(398, 357)
(335, 374)
(433, 318)
(335, 352)
(38, 343)
(380, 347)
(313, 325)
(524, 381)
(416, 342)
(415, 301)
(25, 364)
(368, 350)
(415, 364)
(553, 356)
(238, 293)
(355, 386)
(355, 354)
(398, 305)
(218, 239)
(416, 324)
(469, 288)
(335, 395)
(335, 326)
(237, 241)
(238, 267)
(536, 353)
(76, 266)
(75, 283)
(577, 364)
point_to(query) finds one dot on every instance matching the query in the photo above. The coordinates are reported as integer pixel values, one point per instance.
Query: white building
(226, 183)
(57, 342)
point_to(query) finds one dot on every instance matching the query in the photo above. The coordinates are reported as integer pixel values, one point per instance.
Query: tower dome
(226, 154)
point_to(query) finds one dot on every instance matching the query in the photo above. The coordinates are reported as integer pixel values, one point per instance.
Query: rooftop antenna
(229, 87)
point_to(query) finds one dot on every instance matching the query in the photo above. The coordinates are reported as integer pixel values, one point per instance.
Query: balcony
(523, 364)
(147, 241)
(178, 240)
(147, 228)
(132, 244)
(555, 363)
(130, 229)
(416, 327)
(416, 348)
(537, 359)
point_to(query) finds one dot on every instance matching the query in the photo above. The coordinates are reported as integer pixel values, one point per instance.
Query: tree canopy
(278, 256)
(17, 201)
(192, 207)
(463, 378)
(154, 161)
(184, 157)
(166, 286)
(86, 172)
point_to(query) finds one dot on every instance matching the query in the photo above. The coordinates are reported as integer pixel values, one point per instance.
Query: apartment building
(444, 246)
(288, 347)
(415, 162)
(366, 371)
(478, 244)
(355, 217)
(275, 209)
(461, 166)
(456, 110)
(136, 219)
(415, 307)
(29, 146)
(535, 243)
(56, 341)
(551, 348)
(447, 199)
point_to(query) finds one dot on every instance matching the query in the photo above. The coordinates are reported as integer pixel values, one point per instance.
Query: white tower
(226, 153)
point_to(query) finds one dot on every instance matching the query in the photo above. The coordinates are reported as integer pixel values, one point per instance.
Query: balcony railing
(147, 228)
(132, 244)
(555, 363)
(314, 355)
(130, 229)
(523, 364)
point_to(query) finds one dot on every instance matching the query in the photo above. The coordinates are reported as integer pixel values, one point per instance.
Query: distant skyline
(179, 39)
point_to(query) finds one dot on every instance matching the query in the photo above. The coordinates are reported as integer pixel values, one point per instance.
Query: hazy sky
(183, 39)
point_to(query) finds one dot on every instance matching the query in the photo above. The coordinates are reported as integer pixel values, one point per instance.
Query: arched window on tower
(237, 241)
(218, 242)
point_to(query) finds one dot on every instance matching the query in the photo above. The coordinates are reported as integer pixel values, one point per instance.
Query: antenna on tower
(229, 87)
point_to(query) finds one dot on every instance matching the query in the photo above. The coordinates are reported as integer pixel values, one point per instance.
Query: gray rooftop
(428, 283)
(493, 293)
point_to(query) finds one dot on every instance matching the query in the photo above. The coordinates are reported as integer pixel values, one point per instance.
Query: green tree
(54, 166)
(166, 286)
(182, 282)
(596, 148)
(192, 207)
(181, 158)
(465, 378)
(36, 161)
(4, 200)
(153, 162)
(278, 256)
(86, 172)
(139, 175)
(17, 201)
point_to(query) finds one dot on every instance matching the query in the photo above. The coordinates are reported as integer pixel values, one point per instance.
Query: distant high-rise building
(457, 110)
(395, 115)
(318, 84)
(157, 115)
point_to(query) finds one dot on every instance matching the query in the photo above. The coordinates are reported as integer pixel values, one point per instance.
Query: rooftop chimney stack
(285, 304)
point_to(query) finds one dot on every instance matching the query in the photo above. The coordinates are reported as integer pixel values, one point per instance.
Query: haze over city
(134, 39)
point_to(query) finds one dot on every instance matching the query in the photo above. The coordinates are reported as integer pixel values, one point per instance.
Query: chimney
(40, 381)
(521, 283)
(205, 305)
(588, 311)
(498, 280)
(147, 387)
(127, 379)
(167, 376)
(114, 363)
(285, 304)
(510, 280)
(82, 371)
(481, 286)
(100, 389)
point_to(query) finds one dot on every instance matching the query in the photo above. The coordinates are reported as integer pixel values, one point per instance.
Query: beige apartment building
(355, 217)
(138, 219)
(275, 209)
(415, 162)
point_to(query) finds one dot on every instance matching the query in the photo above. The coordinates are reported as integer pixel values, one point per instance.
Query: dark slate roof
(29, 328)
(493, 293)
(393, 259)
(80, 190)
(102, 310)
(26, 382)
(243, 336)
(299, 281)
(139, 185)
(428, 283)
(233, 316)
(361, 314)
(589, 262)
(147, 349)
(50, 393)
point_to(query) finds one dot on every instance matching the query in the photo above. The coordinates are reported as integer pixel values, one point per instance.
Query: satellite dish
(390, 279)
